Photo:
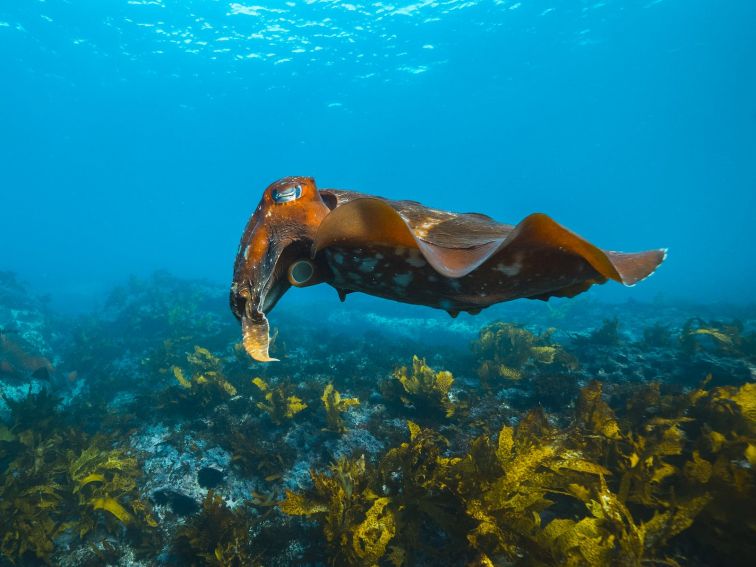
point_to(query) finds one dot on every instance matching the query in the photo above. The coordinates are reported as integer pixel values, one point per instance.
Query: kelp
(725, 339)
(508, 486)
(722, 464)
(36, 410)
(357, 523)
(604, 490)
(334, 406)
(32, 498)
(415, 476)
(616, 473)
(106, 479)
(206, 371)
(610, 535)
(201, 385)
(422, 389)
(606, 335)
(278, 403)
(253, 452)
(218, 536)
(686, 461)
(509, 351)
(57, 479)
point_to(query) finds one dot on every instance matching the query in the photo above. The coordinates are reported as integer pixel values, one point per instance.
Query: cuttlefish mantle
(401, 250)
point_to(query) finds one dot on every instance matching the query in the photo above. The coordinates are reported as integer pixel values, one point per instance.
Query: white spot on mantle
(509, 269)
(403, 280)
(415, 259)
(368, 265)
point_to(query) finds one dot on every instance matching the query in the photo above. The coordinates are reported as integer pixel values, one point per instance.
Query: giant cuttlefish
(404, 251)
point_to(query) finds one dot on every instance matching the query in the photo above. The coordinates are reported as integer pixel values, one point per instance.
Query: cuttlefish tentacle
(407, 252)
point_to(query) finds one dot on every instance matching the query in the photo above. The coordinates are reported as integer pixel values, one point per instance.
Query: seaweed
(252, 453)
(506, 486)
(278, 403)
(31, 500)
(203, 385)
(217, 536)
(357, 523)
(58, 479)
(415, 476)
(334, 406)
(540, 472)
(424, 390)
(606, 335)
(509, 351)
(106, 479)
(721, 464)
(592, 493)
(37, 410)
(725, 339)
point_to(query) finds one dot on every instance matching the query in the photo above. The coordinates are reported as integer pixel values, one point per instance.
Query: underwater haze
(138, 135)
(145, 422)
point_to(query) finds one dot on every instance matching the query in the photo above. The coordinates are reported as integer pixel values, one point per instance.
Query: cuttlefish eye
(288, 194)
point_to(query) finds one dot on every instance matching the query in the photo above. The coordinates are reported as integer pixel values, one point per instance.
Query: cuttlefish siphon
(401, 250)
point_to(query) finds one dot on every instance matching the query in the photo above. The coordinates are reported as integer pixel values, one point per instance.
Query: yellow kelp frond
(261, 384)
(417, 465)
(179, 375)
(610, 535)
(593, 414)
(424, 389)
(334, 406)
(744, 398)
(106, 479)
(510, 351)
(298, 504)
(644, 457)
(112, 506)
(278, 403)
(723, 338)
(609, 489)
(356, 529)
(373, 535)
(57, 479)
(204, 383)
(417, 476)
(508, 485)
(204, 360)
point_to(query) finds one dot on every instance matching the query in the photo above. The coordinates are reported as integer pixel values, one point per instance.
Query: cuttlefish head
(273, 255)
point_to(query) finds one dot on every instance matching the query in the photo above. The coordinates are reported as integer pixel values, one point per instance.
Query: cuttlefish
(401, 250)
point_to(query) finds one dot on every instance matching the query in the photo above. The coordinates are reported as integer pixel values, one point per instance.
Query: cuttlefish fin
(539, 231)
(364, 220)
(256, 337)
(368, 220)
(471, 240)
(634, 267)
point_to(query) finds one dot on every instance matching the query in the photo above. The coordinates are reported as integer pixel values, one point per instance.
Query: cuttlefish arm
(457, 261)
(279, 233)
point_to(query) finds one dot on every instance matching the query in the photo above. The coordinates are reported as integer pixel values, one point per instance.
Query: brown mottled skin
(407, 252)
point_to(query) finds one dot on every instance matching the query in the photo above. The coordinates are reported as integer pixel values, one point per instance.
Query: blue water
(138, 135)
